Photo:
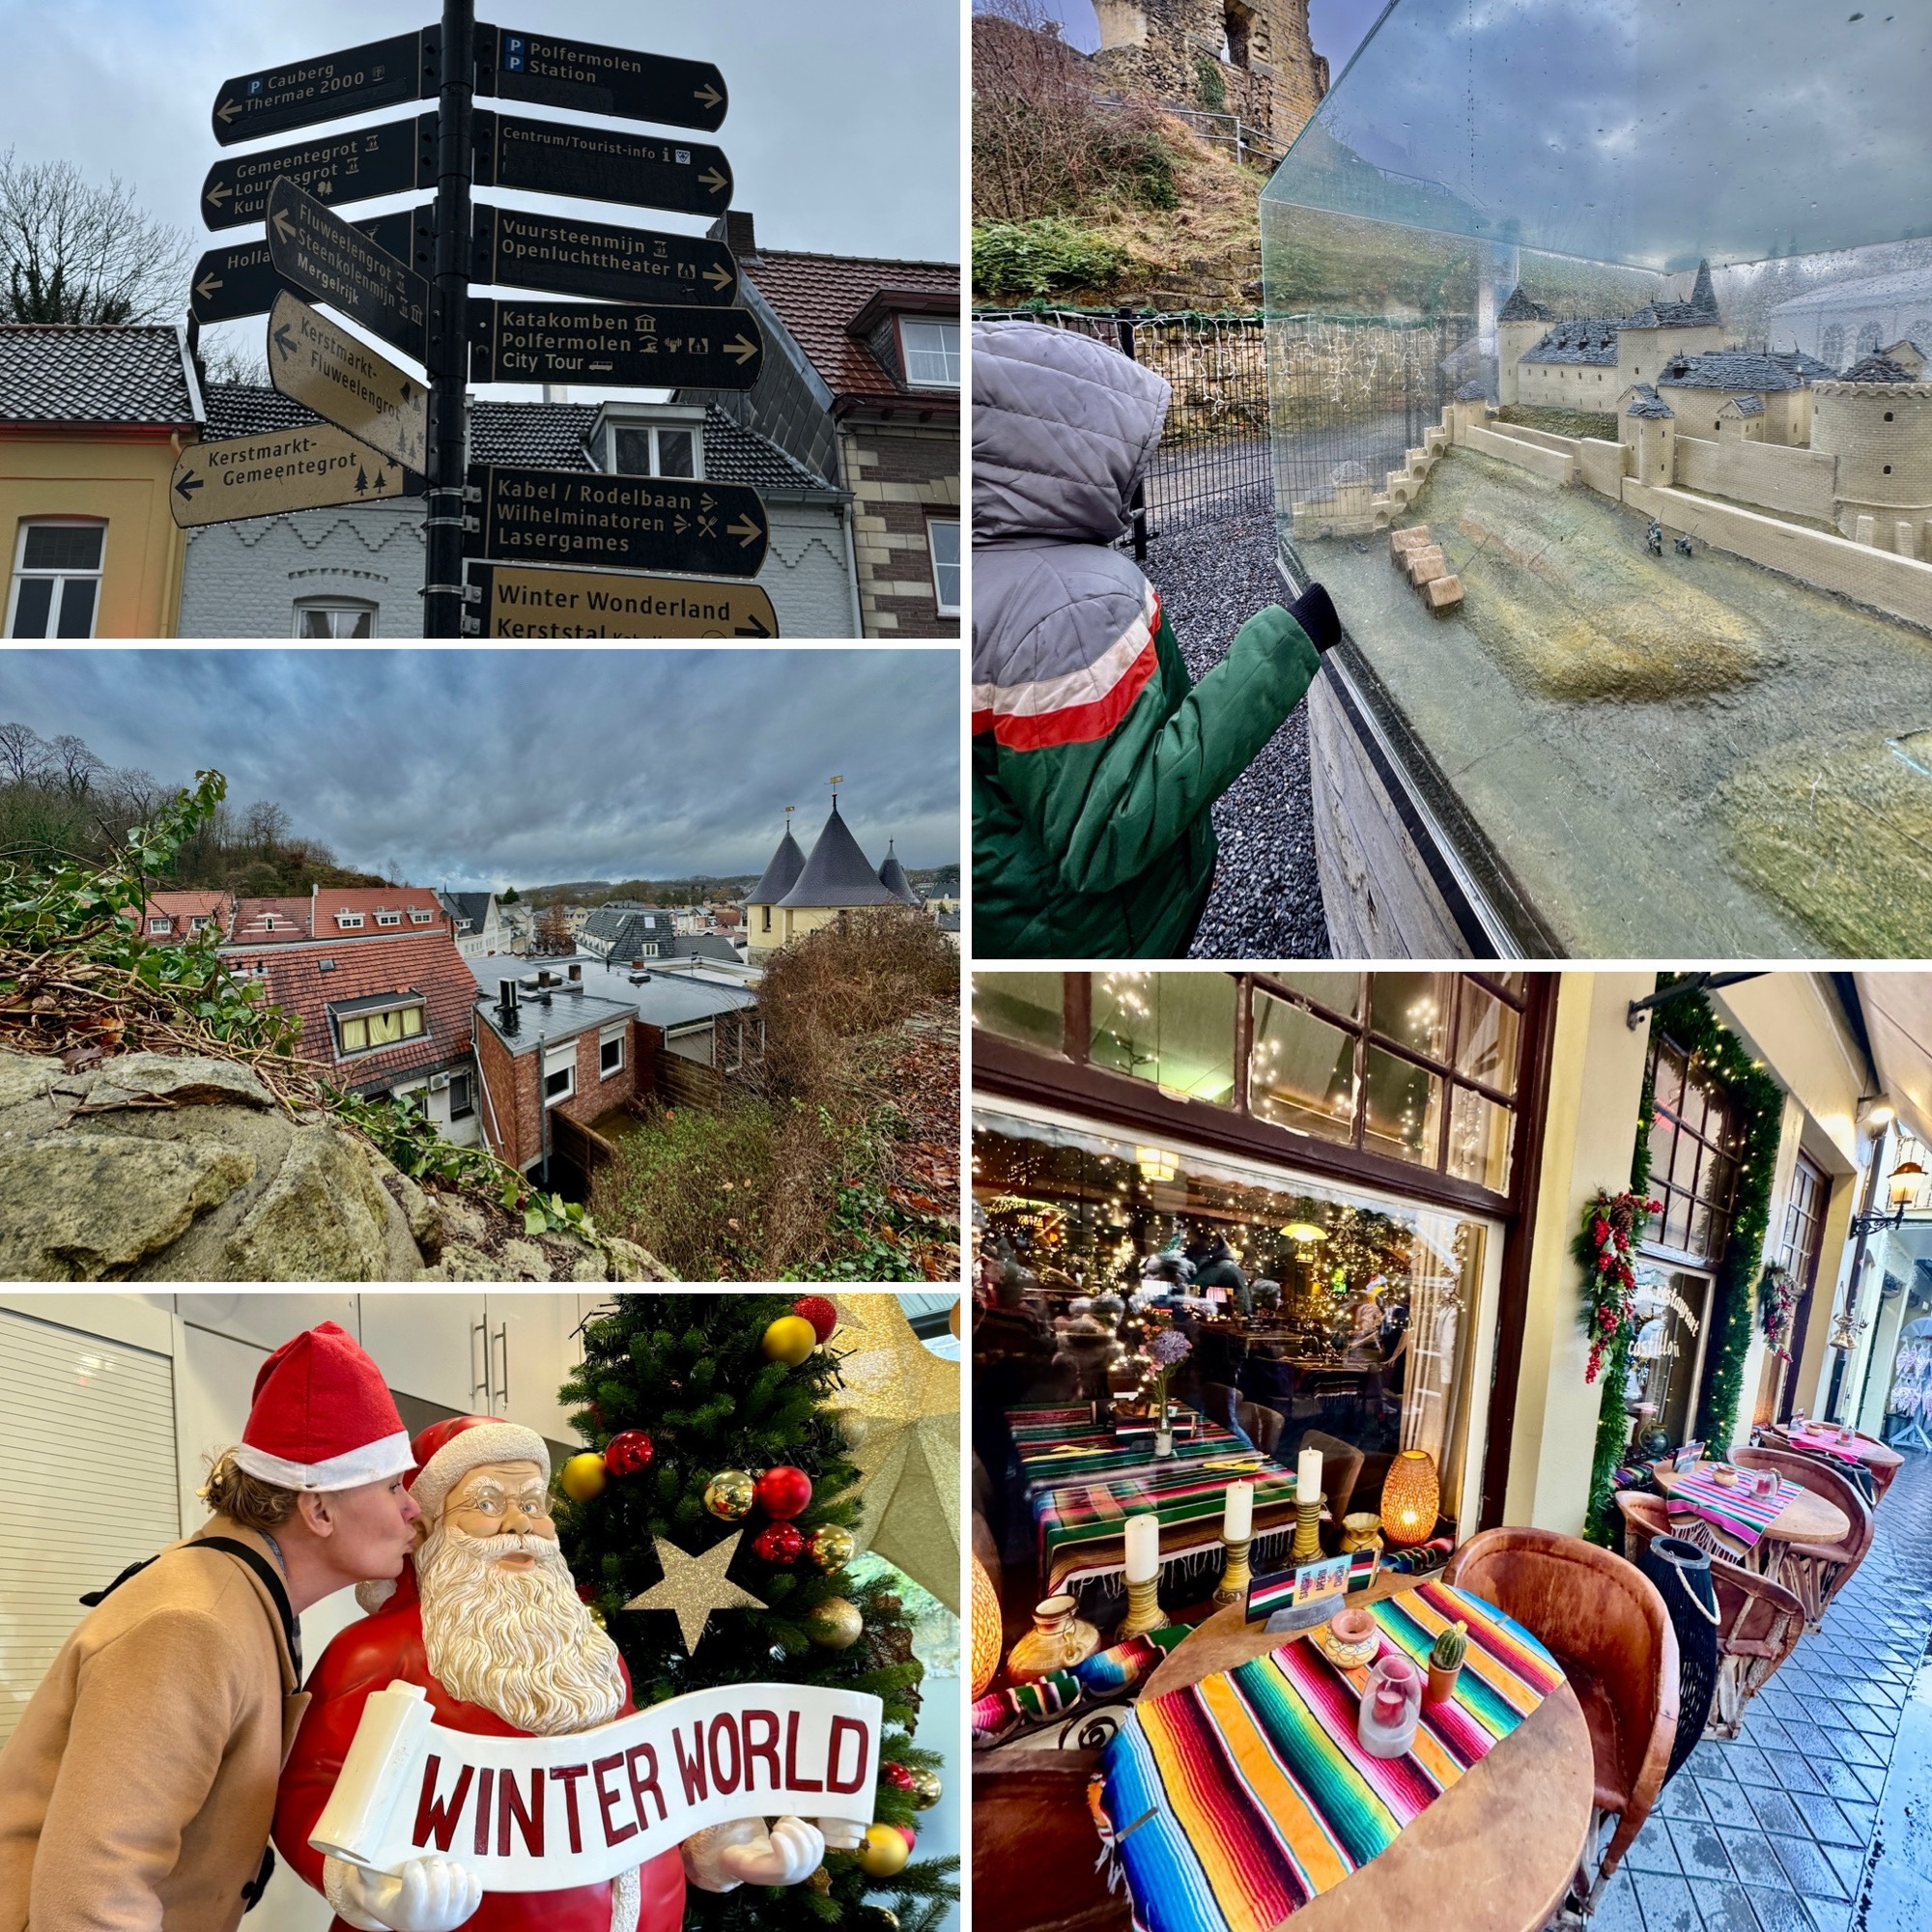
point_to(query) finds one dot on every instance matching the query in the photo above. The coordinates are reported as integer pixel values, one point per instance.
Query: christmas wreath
(1777, 1306)
(1612, 1226)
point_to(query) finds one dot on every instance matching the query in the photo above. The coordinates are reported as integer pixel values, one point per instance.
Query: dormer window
(931, 351)
(349, 921)
(418, 917)
(657, 450)
(160, 925)
(381, 1019)
(389, 918)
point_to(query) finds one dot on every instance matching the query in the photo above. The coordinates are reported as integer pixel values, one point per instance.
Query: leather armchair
(1816, 1571)
(1604, 1621)
(1759, 1622)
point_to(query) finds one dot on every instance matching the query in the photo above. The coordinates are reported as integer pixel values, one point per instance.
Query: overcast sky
(474, 769)
(842, 132)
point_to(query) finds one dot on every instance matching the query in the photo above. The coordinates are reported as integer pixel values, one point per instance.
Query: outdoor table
(1805, 1518)
(1495, 1852)
(1883, 1461)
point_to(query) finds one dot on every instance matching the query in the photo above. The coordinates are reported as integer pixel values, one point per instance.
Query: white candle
(1308, 1476)
(1143, 1547)
(1237, 1519)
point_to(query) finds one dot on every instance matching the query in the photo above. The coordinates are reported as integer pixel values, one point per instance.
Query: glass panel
(1023, 1007)
(358, 624)
(412, 1022)
(1175, 1028)
(1487, 1050)
(634, 452)
(1684, 1162)
(76, 613)
(33, 606)
(385, 1028)
(1301, 1070)
(1670, 1080)
(933, 352)
(1480, 1137)
(1702, 1231)
(312, 624)
(1715, 1179)
(1670, 1311)
(1404, 1108)
(1340, 992)
(62, 547)
(354, 1036)
(676, 453)
(1677, 1221)
(1412, 1010)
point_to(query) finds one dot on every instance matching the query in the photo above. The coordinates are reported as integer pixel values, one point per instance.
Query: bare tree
(554, 935)
(76, 252)
(72, 767)
(235, 359)
(23, 754)
(264, 826)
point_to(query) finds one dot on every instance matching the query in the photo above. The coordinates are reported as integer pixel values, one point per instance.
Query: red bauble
(782, 1491)
(819, 1312)
(778, 1543)
(907, 1833)
(896, 1773)
(629, 1453)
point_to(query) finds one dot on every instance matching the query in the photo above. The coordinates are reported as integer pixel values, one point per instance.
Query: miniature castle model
(1270, 74)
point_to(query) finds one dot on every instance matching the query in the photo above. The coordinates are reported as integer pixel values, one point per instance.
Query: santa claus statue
(488, 1623)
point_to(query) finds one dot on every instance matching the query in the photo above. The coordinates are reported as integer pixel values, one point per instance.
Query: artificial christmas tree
(692, 1370)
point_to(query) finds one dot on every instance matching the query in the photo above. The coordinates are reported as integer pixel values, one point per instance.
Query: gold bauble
(884, 1853)
(926, 1790)
(852, 1426)
(830, 1547)
(790, 1340)
(583, 1477)
(835, 1624)
(597, 1617)
(728, 1495)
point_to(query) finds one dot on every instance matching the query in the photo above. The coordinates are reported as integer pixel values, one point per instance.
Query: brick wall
(515, 1084)
(900, 474)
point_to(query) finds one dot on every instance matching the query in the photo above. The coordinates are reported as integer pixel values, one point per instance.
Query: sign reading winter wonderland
(543, 1814)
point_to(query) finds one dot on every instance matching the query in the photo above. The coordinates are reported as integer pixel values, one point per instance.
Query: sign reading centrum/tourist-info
(627, 347)
(523, 603)
(332, 87)
(318, 253)
(546, 1814)
(598, 80)
(241, 279)
(641, 171)
(520, 250)
(311, 468)
(343, 380)
(618, 522)
(390, 160)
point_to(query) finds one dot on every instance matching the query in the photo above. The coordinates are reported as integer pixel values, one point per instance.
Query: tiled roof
(368, 902)
(1472, 393)
(208, 903)
(781, 876)
(132, 373)
(1592, 340)
(837, 874)
(269, 922)
(541, 436)
(1744, 405)
(1520, 309)
(1731, 369)
(1646, 401)
(891, 875)
(1877, 369)
(423, 962)
(819, 296)
(1802, 364)
(472, 906)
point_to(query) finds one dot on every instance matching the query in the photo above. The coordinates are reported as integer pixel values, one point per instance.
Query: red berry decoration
(896, 1773)
(629, 1453)
(782, 1491)
(819, 1312)
(779, 1544)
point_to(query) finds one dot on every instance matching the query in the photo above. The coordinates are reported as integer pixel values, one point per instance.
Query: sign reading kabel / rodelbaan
(618, 522)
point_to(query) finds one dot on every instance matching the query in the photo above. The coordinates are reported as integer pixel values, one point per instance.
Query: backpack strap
(227, 1545)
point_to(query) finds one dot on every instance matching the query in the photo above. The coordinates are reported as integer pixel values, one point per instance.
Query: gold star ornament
(908, 1459)
(694, 1586)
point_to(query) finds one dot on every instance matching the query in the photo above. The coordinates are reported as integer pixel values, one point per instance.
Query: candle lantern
(986, 1630)
(1411, 1499)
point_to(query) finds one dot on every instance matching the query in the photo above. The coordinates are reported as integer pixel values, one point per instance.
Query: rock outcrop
(149, 1167)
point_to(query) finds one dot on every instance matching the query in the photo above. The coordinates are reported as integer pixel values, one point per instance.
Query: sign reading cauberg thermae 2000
(545, 1814)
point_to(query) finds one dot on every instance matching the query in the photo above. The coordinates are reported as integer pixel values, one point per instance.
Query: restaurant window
(1694, 1140)
(1025, 1008)
(1798, 1252)
(361, 1029)
(56, 579)
(1174, 1029)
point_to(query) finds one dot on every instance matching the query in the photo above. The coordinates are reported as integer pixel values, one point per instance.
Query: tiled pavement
(1819, 1817)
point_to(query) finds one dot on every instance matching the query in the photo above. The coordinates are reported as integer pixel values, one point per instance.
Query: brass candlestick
(1144, 1612)
(1235, 1576)
(1307, 1531)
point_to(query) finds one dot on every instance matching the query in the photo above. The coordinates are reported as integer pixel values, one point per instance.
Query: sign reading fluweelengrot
(543, 1814)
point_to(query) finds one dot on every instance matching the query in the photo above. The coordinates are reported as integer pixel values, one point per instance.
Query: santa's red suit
(365, 1657)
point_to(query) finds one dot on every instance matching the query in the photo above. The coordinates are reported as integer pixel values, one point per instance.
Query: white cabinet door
(431, 1347)
(265, 1320)
(532, 1350)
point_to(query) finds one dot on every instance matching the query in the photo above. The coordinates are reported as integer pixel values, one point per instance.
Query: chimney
(733, 228)
(577, 972)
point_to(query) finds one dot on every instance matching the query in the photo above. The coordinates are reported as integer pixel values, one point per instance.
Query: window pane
(1301, 1070)
(77, 612)
(1024, 1006)
(458, 1097)
(61, 546)
(1413, 1008)
(356, 624)
(311, 623)
(412, 1022)
(675, 455)
(1670, 1080)
(32, 607)
(1683, 1163)
(1404, 1108)
(385, 1028)
(933, 352)
(1479, 1139)
(1677, 1221)
(1487, 1050)
(557, 1083)
(634, 451)
(1175, 1028)
(354, 1036)
(1340, 992)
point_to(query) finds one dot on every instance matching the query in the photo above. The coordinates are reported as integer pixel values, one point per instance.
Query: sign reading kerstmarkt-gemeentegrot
(314, 467)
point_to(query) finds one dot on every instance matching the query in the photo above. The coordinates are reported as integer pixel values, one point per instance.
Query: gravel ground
(1267, 902)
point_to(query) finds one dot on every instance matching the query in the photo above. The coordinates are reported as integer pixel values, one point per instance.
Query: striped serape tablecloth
(1081, 1528)
(1825, 1445)
(1033, 1423)
(1231, 1804)
(1727, 1508)
(1096, 1453)
(1092, 1681)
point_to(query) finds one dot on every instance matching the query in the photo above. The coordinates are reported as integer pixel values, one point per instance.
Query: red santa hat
(322, 1417)
(446, 1452)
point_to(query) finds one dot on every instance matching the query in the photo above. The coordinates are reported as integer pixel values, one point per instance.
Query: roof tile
(129, 373)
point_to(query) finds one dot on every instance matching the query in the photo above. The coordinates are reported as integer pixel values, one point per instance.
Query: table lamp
(986, 1630)
(1411, 1499)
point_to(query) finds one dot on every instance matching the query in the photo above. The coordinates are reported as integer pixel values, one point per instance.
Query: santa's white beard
(519, 1643)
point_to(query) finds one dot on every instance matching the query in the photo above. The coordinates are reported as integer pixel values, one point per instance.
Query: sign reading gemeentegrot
(343, 380)
(620, 522)
(310, 468)
(330, 87)
(629, 348)
(315, 251)
(599, 80)
(357, 166)
(638, 170)
(521, 601)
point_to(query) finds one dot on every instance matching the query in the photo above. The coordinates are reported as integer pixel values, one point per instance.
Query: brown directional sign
(582, 258)
(311, 468)
(332, 87)
(598, 80)
(343, 380)
(638, 170)
(317, 252)
(518, 602)
(389, 159)
(618, 522)
(627, 347)
(241, 280)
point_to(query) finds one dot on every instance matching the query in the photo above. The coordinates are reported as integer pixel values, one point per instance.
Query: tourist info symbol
(517, 602)
(318, 253)
(315, 467)
(593, 80)
(343, 380)
(520, 250)
(629, 348)
(617, 522)
(390, 160)
(330, 87)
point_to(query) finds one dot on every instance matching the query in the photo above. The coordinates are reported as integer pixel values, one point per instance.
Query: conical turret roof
(837, 874)
(1704, 298)
(782, 874)
(891, 875)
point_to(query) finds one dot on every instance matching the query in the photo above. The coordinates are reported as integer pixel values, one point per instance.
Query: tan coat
(138, 1793)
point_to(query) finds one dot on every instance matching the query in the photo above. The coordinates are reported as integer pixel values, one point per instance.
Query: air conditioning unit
(439, 1083)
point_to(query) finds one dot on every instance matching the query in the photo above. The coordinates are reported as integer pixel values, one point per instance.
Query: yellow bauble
(728, 1495)
(884, 1853)
(583, 1477)
(598, 1618)
(791, 1338)
(830, 1547)
(834, 1625)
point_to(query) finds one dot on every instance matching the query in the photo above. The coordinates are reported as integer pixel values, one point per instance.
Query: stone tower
(1165, 50)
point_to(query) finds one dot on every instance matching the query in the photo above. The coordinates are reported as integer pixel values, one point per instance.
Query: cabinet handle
(481, 1383)
(504, 1336)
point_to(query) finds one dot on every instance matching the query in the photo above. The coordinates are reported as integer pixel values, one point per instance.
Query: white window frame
(692, 425)
(559, 1060)
(339, 607)
(59, 578)
(951, 523)
(349, 921)
(388, 918)
(405, 1005)
(947, 354)
(160, 922)
(418, 917)
(610, 1037)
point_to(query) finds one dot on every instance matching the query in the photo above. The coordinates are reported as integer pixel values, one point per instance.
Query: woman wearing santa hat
(137, 1791)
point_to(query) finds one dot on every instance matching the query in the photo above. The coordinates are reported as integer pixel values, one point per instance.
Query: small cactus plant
(1450, 1648)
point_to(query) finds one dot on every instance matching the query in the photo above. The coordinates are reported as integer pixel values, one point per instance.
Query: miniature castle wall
(1882, 437)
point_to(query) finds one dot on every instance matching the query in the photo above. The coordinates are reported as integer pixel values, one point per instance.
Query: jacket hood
(1063, 428)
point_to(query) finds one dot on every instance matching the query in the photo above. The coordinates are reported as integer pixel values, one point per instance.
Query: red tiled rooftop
(180, 908)
(369, 901)
(819, 296)
(267, 921)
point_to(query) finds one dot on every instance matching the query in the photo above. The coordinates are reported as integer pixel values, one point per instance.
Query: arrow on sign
(284, 227)
(744, 530)
(284, 341)
(713, 180)
(219, 193)
(187, 488)
(206, 286)
(740, 350)
(710, 97)
(227, 111)
(719, 278)
(755, 629)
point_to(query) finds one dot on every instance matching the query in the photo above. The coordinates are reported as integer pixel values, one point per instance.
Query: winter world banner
(540, 1814)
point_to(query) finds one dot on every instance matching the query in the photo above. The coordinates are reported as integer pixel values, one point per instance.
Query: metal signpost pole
(449, 323)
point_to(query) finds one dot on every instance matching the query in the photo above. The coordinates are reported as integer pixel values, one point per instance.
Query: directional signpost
(583, 258)
(623, 348)
(241, 280)
(331, 88)
(318, 253)
(353, 167)
(638, 170)
(343, 380)
(522, 602)
(311, 468)
(599, 80)
(618, 522)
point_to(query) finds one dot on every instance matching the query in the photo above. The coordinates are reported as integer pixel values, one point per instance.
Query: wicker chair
(1605, 1624)
(1816, 1571)
(1759, 1622)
